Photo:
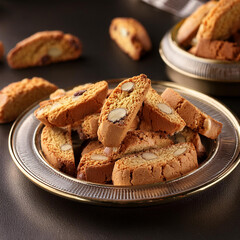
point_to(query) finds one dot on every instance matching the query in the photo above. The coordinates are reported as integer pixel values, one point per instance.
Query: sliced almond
(55, 52)
(179, 151)
(164, 108)
(110, 150)
(66, 147)
(117, 114)
(98, 157)
(55, 105)
(127, 87)
(149, 156)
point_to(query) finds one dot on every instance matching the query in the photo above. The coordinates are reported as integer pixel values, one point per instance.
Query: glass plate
(222, 158)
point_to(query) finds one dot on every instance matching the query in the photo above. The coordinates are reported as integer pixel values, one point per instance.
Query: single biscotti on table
(159, 115)
(43, 48)
(130, 36)
(190, 26)
(188, 135)
(17, 96)
(194, 118)
(221, 22)
(120, 109)
(67, 110)
(57, 148)
(96, 166)
(155, 165)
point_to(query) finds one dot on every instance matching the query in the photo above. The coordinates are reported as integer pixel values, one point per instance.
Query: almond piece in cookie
(194, 118)
(57, 148)
(18, 96)
(130, 36)
(69, 109)
(44, 48)
(155, 165)
(96, 166)
(120, 109)
(158, 115)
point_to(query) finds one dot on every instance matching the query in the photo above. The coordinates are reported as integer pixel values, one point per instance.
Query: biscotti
(96, 166)
(57, 148)
(44, 48)
(130, 36)
(190, 26)
(120, 110)
(67, 110)
(18, 96)
(221, 22)
(159, 115)
(155, 165)
(194, 118)
(1, 50)
(188, 135)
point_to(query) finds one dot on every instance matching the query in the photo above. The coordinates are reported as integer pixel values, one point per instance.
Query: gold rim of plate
(112, 193)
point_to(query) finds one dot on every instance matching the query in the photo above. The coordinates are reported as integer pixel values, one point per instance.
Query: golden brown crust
(156, 118)
(191, 24)
(44, 48)
(18, 96)
(57, 148)
(135, 141)
(194, 118)
(69, 109)
(161, 165)
(130, 36)
(111, 133)
(221, 22)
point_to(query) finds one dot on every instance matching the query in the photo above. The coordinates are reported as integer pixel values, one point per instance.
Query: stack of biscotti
(212, 31)
(132, 135)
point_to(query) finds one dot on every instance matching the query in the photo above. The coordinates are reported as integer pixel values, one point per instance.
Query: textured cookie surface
(194, 118)
(57, 148)
(155, 165)
(120, 109)
(93, 164)
(17, 96)
(159, 116)
(68, 109)
(44, 48)
(130, 36)
(221, 22)
(191, 24)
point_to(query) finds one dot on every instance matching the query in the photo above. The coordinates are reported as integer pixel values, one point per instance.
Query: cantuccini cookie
(190, 26)
(68, 109)
(44, 48)
(221, 22)
(155, 165)
(57, 148)
(130, 36)
(194, 118)
(159, 115)
(1, 50)
(96, 166)
(17, 96)
(120, 109)
(188, 135)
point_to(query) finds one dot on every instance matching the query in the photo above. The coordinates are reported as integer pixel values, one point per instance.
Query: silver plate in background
(223, 157)
(214, 77)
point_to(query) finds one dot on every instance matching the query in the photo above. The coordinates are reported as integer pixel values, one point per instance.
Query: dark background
(28, 212)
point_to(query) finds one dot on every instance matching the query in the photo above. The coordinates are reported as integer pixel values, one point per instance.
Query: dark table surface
(29, 212)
